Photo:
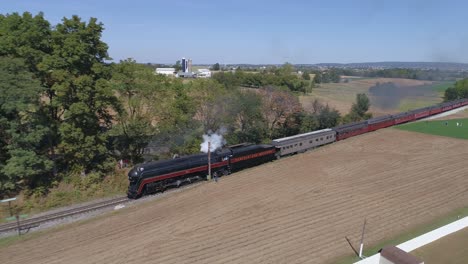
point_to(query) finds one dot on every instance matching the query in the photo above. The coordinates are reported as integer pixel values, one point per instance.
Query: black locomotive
(158, 175)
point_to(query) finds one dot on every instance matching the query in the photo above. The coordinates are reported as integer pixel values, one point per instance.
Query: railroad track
(26, 224)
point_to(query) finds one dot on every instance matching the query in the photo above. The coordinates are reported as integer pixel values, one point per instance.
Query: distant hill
(443, 66)
(452, 66)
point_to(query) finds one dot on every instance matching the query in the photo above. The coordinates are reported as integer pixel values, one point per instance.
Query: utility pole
(209, 160)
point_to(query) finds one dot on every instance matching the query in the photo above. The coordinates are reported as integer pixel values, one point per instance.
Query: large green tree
(459, 91)
(23, 161)
(80, 97)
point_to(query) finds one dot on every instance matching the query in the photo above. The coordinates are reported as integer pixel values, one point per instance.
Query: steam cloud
(216, 139)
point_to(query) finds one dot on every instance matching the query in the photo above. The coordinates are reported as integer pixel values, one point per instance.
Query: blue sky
(264, 32)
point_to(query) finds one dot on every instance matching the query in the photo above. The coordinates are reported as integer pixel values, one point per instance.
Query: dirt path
(295, 210)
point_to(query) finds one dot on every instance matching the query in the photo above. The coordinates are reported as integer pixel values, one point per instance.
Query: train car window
(300, 144)
(316, 139)
(310, 142)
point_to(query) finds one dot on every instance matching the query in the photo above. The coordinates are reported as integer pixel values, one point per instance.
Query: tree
(23, 161)
(362, 104)
(328, 117)
(216, 67)
(178, 66)
(306, 75)
(277, 105)
(450, 94)
(318, 77)
(359, 109)
(134, 130)
(80, 97)
(208, 97)
(27, 37)
(460, 90)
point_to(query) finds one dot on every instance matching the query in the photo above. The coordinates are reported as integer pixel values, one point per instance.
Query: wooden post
(18, 224)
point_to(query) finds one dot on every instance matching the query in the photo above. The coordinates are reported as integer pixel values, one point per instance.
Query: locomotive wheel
(144, 192)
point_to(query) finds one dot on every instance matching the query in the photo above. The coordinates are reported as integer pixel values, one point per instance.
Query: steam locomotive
(157, 176)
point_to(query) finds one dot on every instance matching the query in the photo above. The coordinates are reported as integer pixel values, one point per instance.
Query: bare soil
(295, 210)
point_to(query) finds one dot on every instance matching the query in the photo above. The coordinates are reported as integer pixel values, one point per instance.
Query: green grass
(440, 87)
(446, 128)
(410, 234)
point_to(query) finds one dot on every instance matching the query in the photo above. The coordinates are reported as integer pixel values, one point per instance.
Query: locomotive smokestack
(212, 141)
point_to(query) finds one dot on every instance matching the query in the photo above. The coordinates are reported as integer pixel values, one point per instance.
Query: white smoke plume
(216, 139)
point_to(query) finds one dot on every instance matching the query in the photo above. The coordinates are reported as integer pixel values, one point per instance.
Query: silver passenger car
(303, 142)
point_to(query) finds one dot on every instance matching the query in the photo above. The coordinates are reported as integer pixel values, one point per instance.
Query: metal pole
(362, 238)
(209, 160)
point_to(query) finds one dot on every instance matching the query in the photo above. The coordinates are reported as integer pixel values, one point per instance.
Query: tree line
(416, 74)
(276, 76)
(66, 110)
(458, 91)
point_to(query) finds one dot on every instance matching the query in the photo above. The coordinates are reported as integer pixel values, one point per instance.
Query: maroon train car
(403, 117)
(380, 122)
(350, 130)
(421, 113)
(435, 110)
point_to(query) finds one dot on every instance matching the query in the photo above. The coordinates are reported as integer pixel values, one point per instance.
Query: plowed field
(294, 210)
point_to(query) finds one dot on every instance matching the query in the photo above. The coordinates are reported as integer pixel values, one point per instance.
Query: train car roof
(302, 135)
(358, 123)
(379, 119)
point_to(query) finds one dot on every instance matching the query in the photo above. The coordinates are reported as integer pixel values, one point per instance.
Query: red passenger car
(380, 122)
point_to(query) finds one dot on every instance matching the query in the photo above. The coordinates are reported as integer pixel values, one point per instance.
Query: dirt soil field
(295, 210)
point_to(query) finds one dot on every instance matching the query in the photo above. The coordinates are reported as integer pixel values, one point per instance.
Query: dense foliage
(279, 77)
(66, 113)
(459, 91)
(416, 74)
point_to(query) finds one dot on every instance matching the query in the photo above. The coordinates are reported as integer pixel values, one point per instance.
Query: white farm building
(166, 71)
(203, 73)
